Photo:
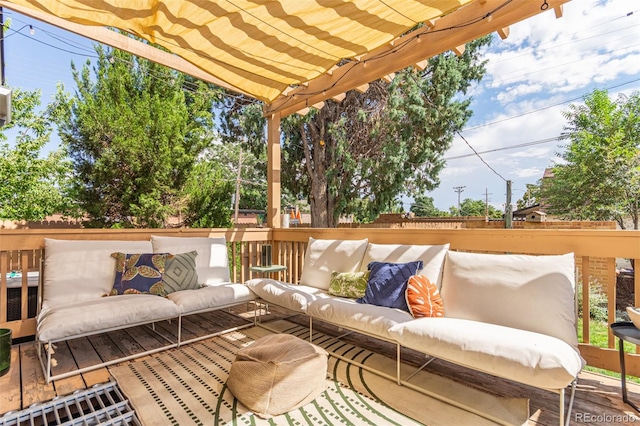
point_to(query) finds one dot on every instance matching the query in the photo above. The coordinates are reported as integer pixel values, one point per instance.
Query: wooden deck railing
(595, 250)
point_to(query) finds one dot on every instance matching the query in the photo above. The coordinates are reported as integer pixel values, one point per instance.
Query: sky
(532, 77)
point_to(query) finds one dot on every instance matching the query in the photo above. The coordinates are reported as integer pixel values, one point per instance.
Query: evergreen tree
(133, 130)
(358, 155)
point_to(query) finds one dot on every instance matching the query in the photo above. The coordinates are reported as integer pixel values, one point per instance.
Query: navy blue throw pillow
(388, 283)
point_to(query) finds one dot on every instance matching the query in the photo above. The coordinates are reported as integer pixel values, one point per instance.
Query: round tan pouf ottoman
(278, 373)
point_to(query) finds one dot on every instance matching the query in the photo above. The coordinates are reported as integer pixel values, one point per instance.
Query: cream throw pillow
(325, 256)
(432, 257)
(212, 262)
(534, 293)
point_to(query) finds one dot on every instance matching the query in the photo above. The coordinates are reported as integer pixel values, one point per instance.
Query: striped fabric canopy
(260, 47)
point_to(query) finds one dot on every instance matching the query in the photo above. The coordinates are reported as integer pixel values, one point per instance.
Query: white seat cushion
(432, 257)
(534, 293)
(212, 261)
(290, 296)
(370, 319)
(76, 270)
(211, 297)
(531, 358)
(326, 256)
(103, 313)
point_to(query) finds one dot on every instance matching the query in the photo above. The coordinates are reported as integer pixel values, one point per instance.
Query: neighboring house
(529, 213)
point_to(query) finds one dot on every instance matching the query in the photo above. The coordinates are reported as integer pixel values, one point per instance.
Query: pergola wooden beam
(122, 42)
(449, 32)
(274, 160)
(503, 33)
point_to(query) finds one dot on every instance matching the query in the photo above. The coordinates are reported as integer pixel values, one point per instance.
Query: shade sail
(260, 47)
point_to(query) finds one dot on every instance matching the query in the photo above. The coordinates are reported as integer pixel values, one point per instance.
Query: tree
(423, 206)
(30, 185)
(208, 196)
(133, 136)
(358, 155)
(531, 196)
(469, 207)
(599, 178)
(210, 189)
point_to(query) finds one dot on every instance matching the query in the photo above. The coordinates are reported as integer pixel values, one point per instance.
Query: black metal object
(14, 303)
(626, 332)
(265, 259)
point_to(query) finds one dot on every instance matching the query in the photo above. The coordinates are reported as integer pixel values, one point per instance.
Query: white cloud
(529, 172)
(593, 42)
(512, 93)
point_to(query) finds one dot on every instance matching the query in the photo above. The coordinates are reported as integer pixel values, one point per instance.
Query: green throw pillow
(348, 284)
(180, 272)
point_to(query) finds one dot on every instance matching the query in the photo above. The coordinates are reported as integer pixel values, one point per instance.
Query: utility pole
(508, 212)
(486, 203)
(459, 190)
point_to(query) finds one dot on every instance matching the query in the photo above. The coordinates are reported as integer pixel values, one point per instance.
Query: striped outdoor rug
(187, 386)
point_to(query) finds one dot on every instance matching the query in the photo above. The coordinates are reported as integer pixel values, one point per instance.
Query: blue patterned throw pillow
(388, 283)
(139, 273)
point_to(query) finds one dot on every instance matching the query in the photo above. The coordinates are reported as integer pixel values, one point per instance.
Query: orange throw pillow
(423, 298)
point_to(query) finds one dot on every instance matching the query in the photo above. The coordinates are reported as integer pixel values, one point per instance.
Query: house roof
(287, 53)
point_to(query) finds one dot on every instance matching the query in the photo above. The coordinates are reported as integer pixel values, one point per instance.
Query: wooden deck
(598, 398)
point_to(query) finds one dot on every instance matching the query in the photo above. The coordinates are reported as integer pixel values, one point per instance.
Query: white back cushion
(325, 256)
(432, 257)
(78, 270)
(534, 293)
(212, 261)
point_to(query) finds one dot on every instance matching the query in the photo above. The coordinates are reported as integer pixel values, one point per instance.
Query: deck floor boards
(597, 396)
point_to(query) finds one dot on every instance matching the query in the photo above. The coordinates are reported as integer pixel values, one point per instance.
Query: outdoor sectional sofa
(512, 316)
(78, 275)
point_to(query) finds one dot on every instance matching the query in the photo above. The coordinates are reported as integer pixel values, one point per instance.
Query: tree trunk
(319, 202)
(315, 156)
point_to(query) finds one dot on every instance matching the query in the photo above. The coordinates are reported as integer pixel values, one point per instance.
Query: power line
(480, 157)
(504, 148)
(546, 107)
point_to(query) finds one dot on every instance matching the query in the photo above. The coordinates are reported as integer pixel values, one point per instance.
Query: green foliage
(357, 156)
(423, 207)
(208, 197)
(469, 207)
(597, 302)
(531, 196)
(599, 178)
(133, 135)
(30, 185)
(212, 185)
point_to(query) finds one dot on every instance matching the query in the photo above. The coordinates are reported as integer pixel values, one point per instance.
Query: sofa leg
(310, 330)
(566, 422)
(47, 372)
(429, 360)
(398, 364)
(179, 330)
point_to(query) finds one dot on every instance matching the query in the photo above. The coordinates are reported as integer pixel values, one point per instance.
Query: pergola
(291, 54)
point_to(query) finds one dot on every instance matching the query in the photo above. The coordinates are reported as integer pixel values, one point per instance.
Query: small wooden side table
(264, 270)
(626, 332)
